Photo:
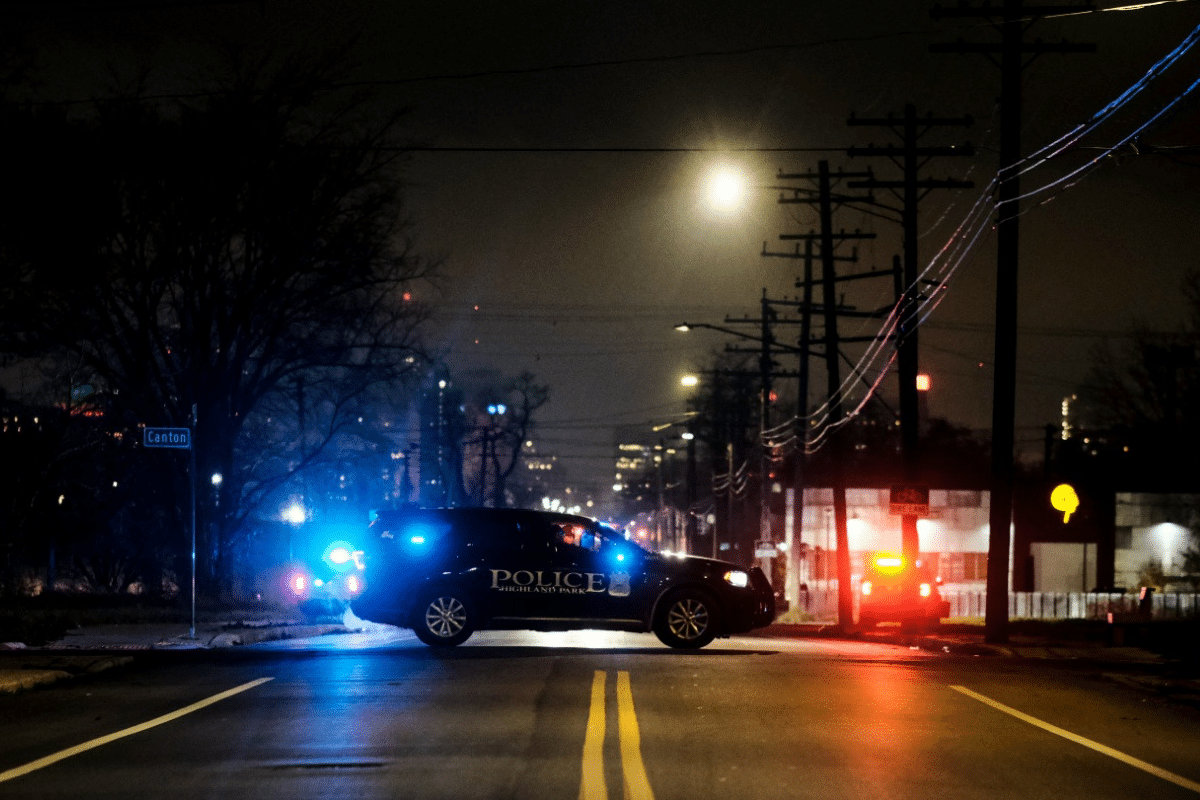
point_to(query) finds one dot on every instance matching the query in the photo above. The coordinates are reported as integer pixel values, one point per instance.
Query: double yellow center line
(592, 785)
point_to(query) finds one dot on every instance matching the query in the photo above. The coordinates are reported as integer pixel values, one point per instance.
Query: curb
(57, 661)
(972, 644)
(20, 680)
(271, 634)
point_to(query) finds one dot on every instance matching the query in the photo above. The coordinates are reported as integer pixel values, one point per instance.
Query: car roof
(394, 515)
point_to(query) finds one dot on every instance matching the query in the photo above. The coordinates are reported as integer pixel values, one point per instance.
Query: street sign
(909, 500)
(765, 550)
(178, 438)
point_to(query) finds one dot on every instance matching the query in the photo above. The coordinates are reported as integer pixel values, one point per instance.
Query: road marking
(592, 785)
(1178, 780)
(53, 758)
(637, 785)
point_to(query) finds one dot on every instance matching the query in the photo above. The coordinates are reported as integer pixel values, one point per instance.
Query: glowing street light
(726, 188)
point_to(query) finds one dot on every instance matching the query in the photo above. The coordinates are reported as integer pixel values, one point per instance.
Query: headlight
(738, 578)
(340, 556)
(866, 587)
(926, 590)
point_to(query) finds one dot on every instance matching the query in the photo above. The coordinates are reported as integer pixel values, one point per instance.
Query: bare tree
(526, 398)
(491, 450)
(1144, 401)
(202, 258)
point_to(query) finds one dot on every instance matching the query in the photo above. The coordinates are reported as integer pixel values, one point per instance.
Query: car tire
(689, 619)
(444, 618)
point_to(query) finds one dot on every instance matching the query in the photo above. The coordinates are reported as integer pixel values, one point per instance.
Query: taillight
(298, 584)
(926, 590)
(866, 587)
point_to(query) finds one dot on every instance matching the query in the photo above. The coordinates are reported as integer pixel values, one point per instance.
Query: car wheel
(444, 618)
(688, 620)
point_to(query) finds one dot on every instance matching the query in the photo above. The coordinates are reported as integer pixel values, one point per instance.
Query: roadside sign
(909, 500)
(765, 550)
(178, 438)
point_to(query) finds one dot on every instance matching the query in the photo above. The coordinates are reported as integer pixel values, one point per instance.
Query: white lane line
(1145, 766)
(592, 785)
(53, 758)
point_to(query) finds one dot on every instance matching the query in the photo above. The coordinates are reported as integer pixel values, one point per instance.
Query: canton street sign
(178, 438)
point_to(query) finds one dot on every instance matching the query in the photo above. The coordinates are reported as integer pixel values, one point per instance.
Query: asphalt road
(593, 715)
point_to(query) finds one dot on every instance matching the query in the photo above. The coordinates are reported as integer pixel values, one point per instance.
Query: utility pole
(910, 156)
(794, 552)
(765, 364)
(1011, 19)
(825, 200)
(799, 464)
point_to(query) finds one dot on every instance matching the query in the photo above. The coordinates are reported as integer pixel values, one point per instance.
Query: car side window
(493, 538)
(574, 537)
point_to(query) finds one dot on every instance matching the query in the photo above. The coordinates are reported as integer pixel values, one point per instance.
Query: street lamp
(726, 188)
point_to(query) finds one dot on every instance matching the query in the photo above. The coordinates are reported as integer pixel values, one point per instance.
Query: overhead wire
(977, 222)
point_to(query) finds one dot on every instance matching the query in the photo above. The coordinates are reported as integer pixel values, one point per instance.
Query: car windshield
(611, 535)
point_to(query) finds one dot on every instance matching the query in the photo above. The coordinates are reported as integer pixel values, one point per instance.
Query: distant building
(954, 537)
(1113, 543)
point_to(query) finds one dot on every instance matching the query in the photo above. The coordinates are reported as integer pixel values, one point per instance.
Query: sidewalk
(94, 649)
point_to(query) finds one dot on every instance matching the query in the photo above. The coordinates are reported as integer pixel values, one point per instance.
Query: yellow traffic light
(1064, 499)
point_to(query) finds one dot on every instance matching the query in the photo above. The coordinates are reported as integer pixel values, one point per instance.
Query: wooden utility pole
(825, 200)
(910, 156)
(1011, 19)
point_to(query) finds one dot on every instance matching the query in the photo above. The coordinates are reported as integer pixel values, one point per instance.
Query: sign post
(180, 439)
(909, 500)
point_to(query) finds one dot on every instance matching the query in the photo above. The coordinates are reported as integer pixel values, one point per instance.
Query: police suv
(446, 573)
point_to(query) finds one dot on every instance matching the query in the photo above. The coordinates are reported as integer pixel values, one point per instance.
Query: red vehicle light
(298, 584)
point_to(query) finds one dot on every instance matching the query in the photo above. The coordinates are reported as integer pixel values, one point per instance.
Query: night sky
(568, 143)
